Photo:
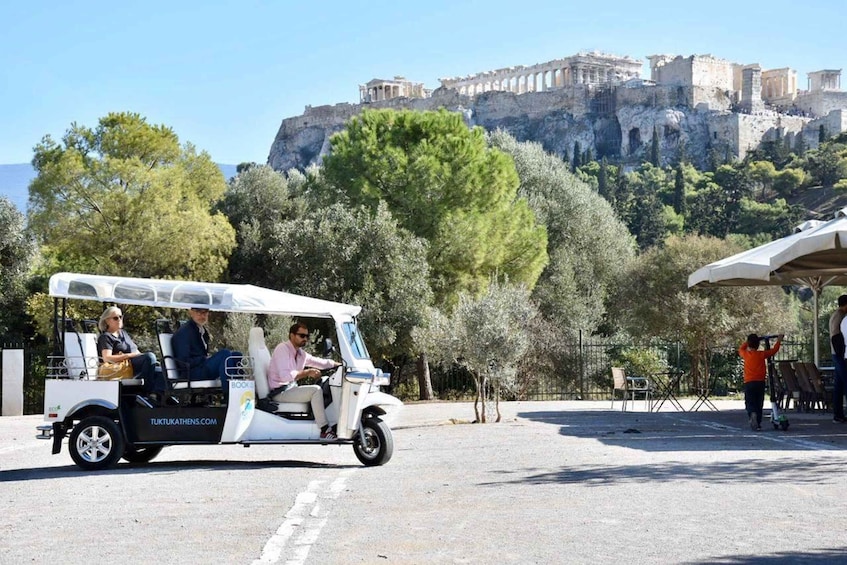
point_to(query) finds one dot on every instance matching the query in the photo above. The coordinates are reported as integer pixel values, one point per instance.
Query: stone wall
(820, 103)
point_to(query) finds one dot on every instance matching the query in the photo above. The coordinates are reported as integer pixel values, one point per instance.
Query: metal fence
(583, 372)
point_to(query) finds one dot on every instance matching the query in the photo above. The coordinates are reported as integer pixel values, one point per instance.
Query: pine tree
(822, 134)
(588, 156)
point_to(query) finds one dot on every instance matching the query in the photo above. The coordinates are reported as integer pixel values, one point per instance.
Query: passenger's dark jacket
(190, 351)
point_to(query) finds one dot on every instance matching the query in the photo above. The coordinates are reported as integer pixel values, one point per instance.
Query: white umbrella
(815, 255)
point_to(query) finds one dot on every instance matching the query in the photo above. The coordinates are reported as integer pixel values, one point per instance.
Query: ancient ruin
(698, 103)
(382, 89)
(583, 68)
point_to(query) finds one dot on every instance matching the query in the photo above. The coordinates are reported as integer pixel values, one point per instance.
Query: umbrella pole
(815, 293)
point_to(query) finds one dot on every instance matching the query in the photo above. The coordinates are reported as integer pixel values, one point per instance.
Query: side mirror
(328, 347)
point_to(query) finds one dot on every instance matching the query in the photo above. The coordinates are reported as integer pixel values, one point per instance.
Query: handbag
(115, 371)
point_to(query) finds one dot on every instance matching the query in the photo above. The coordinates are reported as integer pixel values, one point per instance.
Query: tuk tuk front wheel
(96, 443)
(374, 444)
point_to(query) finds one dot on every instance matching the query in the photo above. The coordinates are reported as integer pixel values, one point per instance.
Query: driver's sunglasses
(304, 336)
(117, 317)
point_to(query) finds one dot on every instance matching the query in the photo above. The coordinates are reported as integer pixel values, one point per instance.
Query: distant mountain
(14, 183)
(15, 179)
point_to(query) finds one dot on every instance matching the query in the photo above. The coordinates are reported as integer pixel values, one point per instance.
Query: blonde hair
(108, 313)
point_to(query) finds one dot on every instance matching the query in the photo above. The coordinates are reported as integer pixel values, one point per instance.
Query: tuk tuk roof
(220, 297)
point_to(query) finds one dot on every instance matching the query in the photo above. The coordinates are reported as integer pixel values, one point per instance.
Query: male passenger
(190, 345)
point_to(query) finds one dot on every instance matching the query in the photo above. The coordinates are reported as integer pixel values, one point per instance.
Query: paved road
(555, 482)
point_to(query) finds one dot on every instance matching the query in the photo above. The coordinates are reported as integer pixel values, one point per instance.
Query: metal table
(667, 383)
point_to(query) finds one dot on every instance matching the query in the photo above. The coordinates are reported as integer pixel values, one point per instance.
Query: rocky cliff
(613, 122)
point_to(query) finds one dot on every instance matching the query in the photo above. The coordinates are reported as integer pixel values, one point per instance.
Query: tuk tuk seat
(258, 351)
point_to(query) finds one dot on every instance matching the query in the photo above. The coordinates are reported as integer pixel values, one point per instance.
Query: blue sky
(224, 74)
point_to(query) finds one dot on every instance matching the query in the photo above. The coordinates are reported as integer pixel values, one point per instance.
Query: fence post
(13, 382)
(581, 368)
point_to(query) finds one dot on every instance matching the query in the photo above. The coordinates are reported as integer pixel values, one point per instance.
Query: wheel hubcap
(369, 442)
(94, 444)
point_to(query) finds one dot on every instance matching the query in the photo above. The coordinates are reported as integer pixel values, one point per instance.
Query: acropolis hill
(601, 101)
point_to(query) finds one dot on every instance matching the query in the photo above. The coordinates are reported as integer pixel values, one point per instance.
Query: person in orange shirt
(755, 372)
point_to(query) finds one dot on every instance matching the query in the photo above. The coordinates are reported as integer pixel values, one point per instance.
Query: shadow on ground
(754, 471)
(159, 467)
(834, 555)
(727, 430)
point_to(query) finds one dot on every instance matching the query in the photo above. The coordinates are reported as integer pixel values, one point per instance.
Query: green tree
(701, 318)
(762, 173)
(17, 250)
(577, 156)
(125, 198)
(257, 200)
(645, 216)
(604, 188)
(587, 244)
(488, 335)
(357, 256)
(737, 185)
(352, 255)
(442, 183)
(828, 163)
(788, 180)
(799, 144)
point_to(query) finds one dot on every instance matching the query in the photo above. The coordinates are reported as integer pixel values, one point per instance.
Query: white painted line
(782, 437)
(303, 524)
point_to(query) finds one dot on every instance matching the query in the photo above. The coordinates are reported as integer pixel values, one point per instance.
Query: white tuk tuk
(106, 422)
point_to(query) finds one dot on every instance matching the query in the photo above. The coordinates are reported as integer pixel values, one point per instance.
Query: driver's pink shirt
(287, 361)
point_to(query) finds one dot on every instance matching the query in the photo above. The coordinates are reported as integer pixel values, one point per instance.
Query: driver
(288, 365)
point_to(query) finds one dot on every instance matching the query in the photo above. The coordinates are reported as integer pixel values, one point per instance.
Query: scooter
(778, 419)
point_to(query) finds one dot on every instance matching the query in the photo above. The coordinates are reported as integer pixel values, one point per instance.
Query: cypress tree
(577, 156)
(679, 190)
(800, 144)
(654, 148)
(603, 181)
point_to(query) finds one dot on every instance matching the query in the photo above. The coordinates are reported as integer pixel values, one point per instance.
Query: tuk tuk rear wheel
(96, 443)
(374, 444)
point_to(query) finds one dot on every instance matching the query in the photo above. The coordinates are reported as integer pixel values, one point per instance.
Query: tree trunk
(424, 380)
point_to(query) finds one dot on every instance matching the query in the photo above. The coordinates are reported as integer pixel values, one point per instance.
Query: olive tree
(488, 335)
(16, 253)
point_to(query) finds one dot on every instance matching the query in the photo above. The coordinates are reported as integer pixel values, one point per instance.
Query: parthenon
(584, 68)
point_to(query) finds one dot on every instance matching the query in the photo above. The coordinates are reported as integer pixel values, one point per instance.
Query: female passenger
(115, 346)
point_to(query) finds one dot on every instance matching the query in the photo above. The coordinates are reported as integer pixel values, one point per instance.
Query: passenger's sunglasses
(117, 317)
(304, 336)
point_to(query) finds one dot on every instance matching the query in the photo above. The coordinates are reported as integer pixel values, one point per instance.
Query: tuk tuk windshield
(354, 338)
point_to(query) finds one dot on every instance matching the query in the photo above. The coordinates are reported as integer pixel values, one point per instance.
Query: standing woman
(115, 346)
